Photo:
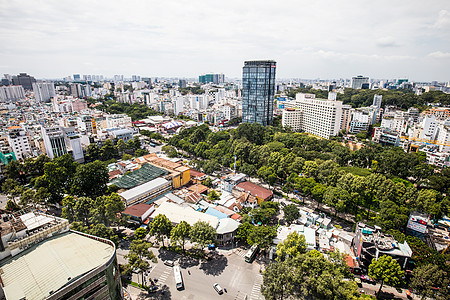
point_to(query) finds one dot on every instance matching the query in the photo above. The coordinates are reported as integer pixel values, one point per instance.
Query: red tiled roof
(236, 217)
(195, 173)
(137, 210)
(255, 190)
(349, 260)
(114, 173)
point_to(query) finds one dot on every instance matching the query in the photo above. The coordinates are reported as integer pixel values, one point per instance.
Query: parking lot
(240, 279)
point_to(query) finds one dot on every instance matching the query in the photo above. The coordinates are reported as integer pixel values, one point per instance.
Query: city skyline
(308, 39)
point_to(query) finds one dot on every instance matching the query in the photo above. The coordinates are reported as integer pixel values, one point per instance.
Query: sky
(326, 39)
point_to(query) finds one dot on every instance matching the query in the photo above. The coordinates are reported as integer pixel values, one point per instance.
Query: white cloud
(440, 55)
(187, 37)
(443, 20)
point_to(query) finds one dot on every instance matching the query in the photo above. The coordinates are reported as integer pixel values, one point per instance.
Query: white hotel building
(317, 116)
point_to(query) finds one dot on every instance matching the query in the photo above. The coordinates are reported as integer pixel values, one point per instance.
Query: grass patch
(357, 171)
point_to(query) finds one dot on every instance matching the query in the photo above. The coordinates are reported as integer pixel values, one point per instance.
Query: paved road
(227, 268)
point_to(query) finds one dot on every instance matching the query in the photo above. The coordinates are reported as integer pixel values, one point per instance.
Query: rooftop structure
(146, 191)
(260, 193)
(369, 242)
(309, 233)
(146, 173)
(138, 212)
(42, 259)
(177, 213)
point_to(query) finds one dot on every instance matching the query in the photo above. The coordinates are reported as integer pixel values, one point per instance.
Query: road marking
(256, 290)
(163, 277)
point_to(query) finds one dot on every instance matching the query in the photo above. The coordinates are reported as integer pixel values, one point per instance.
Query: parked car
(218, 288)
(169, 263)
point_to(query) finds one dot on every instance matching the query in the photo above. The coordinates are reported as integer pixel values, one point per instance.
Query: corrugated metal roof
(143, 188)
(48, 265)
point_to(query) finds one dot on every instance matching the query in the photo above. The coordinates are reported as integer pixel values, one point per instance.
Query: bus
(251, 253)
(178, 278)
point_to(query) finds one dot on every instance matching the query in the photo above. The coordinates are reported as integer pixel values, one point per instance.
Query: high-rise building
(377, 100)
(292, 118)
(80, 90)
(258, 88)
(43, 91)
(214, 78)
(182, 83)
(118, 78)
(76, 77)
(54, 142)
(18, 140)
(11, 93)
(347, 111)
(198, 101)
(60, 140)
(24, 80)
(178, 105)
(359, 81)
(318, 116)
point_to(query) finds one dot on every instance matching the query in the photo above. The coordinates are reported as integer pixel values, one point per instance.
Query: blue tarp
(214, 212)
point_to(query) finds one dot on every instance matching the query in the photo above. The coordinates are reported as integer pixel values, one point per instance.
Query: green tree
(102, 231)
(90, 180)
(207, 182)
(213, 195)
(203, 234)
(93, 152)
(387, 270)
(12, 206)
(105, 209)
(170, 151)
(279, 281)
(68, 210)
(108, 150)
(292, 246)
(429, 281)
(126, 156)
(262, 235)
(244, 230)
(13, 170)
(180, 233)
(139, 254)
(140, 233)
(160, 227)
(27, 197)
(121, 147)
(82, 208)
(291, 213)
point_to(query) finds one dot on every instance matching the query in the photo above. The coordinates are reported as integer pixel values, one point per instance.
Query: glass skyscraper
(258, 80)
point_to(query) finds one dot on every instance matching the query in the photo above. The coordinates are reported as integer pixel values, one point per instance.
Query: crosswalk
(168, 271)
(240, 252)
(162, 279)
(256, 290)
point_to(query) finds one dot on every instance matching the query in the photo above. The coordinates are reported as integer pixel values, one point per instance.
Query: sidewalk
(388, 292)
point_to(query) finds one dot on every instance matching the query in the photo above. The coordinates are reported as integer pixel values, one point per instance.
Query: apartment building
(18, 141)
(318, 116)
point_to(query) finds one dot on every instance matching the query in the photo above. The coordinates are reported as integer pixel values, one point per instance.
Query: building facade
(18, 140)
(359, 82)
(318, 116)
(43, 91)
(258, 80)
(11, 93)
